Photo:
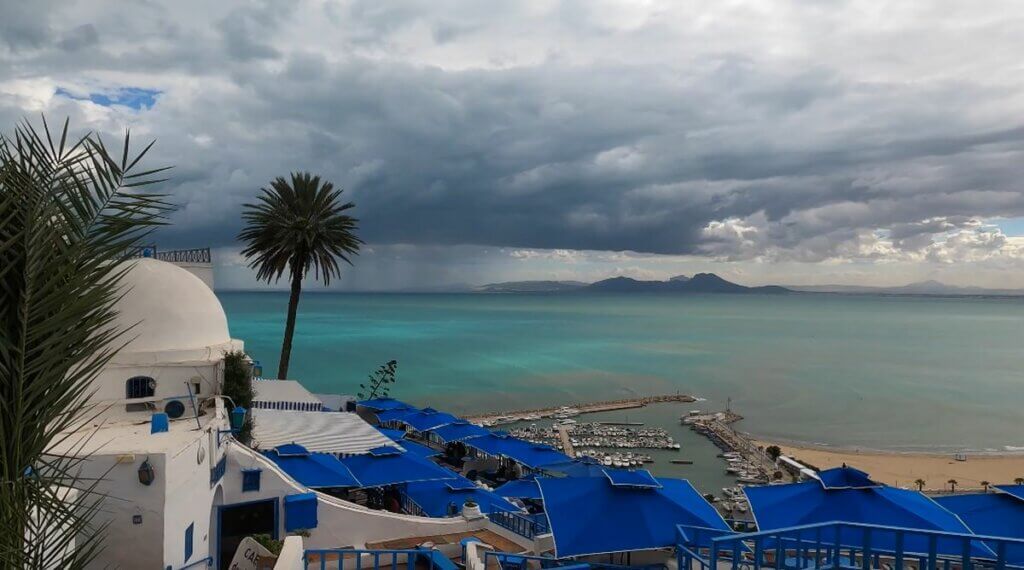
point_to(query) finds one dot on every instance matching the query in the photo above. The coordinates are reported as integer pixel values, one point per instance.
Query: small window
(188, 540)
(251, 479)
(139, 387)
(195, 387)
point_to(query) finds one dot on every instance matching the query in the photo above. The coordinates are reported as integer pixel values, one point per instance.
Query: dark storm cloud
(583, 128)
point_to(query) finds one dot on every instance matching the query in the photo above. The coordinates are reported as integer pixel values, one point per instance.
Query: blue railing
(357, 559)
(218, 470)
(519, 524)
(843, 545)
(509, 561)
(410, 507)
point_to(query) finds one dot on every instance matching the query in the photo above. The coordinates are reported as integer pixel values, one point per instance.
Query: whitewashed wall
(341, 523)
(130, 545)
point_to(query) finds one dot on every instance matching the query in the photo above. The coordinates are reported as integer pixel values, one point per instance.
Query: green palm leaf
(67, 220)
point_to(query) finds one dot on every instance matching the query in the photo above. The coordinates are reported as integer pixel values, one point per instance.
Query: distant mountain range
(711, 283)
(699, 283)
(935, 288)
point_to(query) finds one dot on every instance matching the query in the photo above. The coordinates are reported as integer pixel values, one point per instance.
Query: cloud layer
(780, 131)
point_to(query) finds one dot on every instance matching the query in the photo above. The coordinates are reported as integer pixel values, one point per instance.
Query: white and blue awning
(320, 432)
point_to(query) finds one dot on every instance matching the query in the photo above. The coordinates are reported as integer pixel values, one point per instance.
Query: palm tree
(1018, 481)
(67, 219)
(297, 226)
(920, 484)
(952, 485)
(984, 485)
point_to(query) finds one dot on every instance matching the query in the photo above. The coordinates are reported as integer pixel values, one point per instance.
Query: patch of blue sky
(133, 97)
(1010, 226)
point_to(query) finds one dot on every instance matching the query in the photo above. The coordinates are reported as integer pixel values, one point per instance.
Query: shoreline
(902, 468)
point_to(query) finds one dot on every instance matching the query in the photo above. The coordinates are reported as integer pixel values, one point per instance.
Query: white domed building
(179, 491)
(176, 334)
(160, 437)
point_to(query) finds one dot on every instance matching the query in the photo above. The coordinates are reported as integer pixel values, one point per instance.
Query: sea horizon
(843, 371)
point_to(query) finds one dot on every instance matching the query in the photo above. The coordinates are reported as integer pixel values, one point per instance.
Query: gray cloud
(782, 131)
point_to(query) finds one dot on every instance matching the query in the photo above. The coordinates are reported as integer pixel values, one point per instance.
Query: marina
(598, 436)
(747, 461)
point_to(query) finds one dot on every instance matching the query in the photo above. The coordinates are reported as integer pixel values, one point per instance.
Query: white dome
(171, 310)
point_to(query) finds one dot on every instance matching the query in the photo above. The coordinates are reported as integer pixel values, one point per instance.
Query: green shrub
(238, 387)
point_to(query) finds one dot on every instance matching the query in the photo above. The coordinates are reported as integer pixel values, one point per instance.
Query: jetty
(563, 434)
(582, 408)
(750, 461)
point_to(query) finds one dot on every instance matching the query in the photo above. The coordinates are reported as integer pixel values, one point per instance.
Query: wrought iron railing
(194, 255)
(410, 506)
(218, 470)
(845, 545)
(519, 524)
(359, 559)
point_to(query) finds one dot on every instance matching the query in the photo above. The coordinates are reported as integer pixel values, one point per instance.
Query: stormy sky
(792, 142)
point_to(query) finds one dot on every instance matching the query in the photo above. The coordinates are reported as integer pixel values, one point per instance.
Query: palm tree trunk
(289, 327)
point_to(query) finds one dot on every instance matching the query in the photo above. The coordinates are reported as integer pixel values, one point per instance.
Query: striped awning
(325, 432)
(284, 395)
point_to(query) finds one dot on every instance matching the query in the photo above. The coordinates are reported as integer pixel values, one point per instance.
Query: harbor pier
(581, 408)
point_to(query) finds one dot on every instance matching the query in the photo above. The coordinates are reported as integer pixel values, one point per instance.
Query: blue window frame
(251, 479)
(189, 531)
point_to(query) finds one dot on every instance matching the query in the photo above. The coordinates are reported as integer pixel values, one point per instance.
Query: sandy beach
(902, 469)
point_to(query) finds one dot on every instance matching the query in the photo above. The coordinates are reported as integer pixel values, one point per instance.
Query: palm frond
(297, 226)
(68, 220)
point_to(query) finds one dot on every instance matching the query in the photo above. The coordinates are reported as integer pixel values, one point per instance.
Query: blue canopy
(458, 431)
(427, 419)
(314, 470)
(845, 478)
(531, 455)
(392, 434)
(991, 514)
(446, 498)
(389, 466)
(1012, 490)
(395, 414)
(797, 504)
(291, 450)
(419, 448)
(579, 467)
(520, 489)
(381, 404)
(640, 478)
(589, 515)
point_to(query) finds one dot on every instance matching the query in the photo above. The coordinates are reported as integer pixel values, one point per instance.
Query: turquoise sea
(899, 373)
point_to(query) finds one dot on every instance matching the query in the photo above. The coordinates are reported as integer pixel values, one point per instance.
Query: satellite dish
(174, 409)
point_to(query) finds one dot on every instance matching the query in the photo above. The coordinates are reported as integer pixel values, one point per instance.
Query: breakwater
(576, 409)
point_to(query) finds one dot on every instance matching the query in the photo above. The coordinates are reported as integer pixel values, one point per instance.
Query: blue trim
(300, 511)
(251, 479)
(190, 531)
(217, 473)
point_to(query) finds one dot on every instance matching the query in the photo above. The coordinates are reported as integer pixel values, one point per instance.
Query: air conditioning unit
(175, 408)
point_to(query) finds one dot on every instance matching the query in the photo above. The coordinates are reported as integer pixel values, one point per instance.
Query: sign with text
(252, 555)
